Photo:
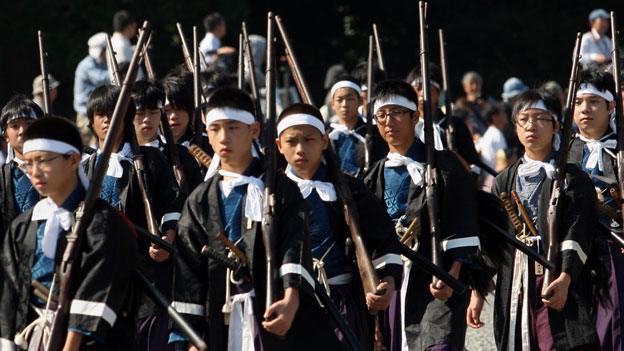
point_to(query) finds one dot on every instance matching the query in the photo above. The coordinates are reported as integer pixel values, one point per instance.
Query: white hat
(97, 43)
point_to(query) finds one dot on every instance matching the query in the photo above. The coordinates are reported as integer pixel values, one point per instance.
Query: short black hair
(212, 21)
(179, 91)
(492, 110)
(147, 95)
(599, 78)
(395, 87)
(360, 72)
(300, 108)
(435, 74)
(19, 105)
(532, 96)
(55, 128)
(103, 100)
(215, 78)
(232, 98)
(121, 20)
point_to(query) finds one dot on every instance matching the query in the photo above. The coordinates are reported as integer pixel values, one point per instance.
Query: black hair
(532, 96)
(215, 78)
(19, 105)
(601, 79)
(179, 92)
(103, 100)
(55, 128)
(121, 20)
(360, 73)
(395, 87)
(435, 74)
(232, 98)
(212, 21)
(147, 95)
(492, 110)
(300, 108)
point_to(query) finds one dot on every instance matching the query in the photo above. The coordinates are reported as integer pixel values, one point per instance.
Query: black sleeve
(163, 189)
(463, 142)
(579, 223)
(9, 285)
(458, 209)
(107, 263)
(379, 233)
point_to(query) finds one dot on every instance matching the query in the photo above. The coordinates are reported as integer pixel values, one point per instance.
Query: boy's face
(51, 172)
(231, 140)
(14, 132)
(178, 120)
(146, 123)
(345, 103)
(591, 114)
(302, 146)
(396, 125)
(535, 129)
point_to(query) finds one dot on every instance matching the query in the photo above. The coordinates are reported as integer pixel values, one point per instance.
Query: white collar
(326, 190)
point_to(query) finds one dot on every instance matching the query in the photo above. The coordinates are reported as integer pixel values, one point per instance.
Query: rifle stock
(68, 267)
(554, 207)
(43, 62)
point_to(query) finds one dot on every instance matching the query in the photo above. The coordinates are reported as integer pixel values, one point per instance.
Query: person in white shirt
(596, 45)
(492, 145)
(125, 28)
(210, 46)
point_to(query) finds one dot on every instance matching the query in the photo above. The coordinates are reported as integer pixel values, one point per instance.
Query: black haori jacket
(573, 326)
(7, 198)
(102, 289)
(199, 292)
(429, 321)
(166, 203)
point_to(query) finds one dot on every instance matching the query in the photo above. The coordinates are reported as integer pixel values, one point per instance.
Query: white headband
(586, 88)
(228, 113)
(539, 105)
(299, 119)
(417, 81)
(51, 145)
(394, 100)
(345, 84)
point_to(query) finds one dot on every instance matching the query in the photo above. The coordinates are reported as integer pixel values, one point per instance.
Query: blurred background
(530, 39)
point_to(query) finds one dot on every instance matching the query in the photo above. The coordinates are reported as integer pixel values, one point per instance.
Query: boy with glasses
(432, 316)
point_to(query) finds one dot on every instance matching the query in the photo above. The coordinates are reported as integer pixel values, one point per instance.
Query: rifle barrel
(45, 82)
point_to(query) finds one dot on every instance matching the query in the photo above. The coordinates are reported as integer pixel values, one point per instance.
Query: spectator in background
(91, 73)
(512, 88)
(37, 91)
(472, 82)
(555, 89)
(210, 46)
(493, 146)
(125, 27)
(596, 45)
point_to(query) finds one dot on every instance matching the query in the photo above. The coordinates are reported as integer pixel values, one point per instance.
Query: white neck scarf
(437, 134)
(255, 192)
(596, 147)
(342, 129)
(326, 190)
(414, 168)
(57, 219)
(115, 168)
(531, 168)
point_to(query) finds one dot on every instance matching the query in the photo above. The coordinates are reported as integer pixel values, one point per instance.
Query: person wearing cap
(512, 88)
(91, 73)
(348, 135)
(37, 91)
(593, 149)
(596, 45)
(462, 138)
(17, 194)
(302, 140)
(149, 99)
(100, 314)
(121, 189)
(560, 319)
(432, 314)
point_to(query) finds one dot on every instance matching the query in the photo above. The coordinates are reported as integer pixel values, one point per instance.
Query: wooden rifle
(555, 211)
(249, 59)
(368, 274)
(241, 62)
(431, 173)
(45, 81)
(269, 226)
(149, 68)
(446, 91)
(69, 266)
(368, 144)
(619, 115)
(380, 59)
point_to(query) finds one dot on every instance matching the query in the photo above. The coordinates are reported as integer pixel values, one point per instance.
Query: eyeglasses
(41, 164)
(396, 115)
(539, 120)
